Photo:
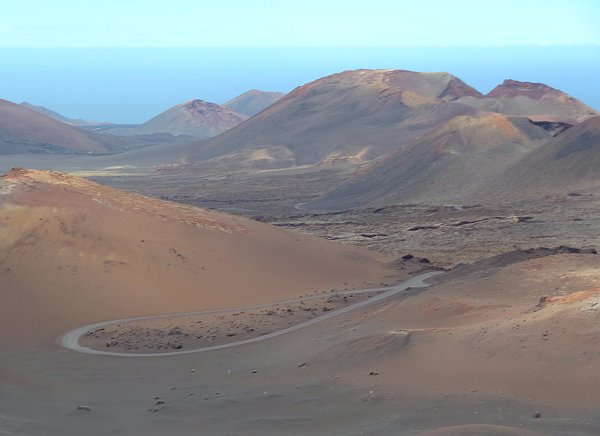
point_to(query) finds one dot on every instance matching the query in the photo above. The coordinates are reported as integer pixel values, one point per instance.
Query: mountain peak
(199, 104)
(514, 88)
(436, 85)
(253, 101)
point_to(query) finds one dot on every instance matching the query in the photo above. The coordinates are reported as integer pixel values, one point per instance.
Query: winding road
(71, 339)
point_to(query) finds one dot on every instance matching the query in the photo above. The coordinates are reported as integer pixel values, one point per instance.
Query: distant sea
(132, 85)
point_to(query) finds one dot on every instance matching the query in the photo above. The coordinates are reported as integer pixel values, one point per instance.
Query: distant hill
(50, 113)
(252, 102)
(357, 116)
(444, 165)
(195, 118)
(25, 130)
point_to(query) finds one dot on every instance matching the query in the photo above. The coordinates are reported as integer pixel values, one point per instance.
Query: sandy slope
(445, 165)
(570, 162)
(528, 330)
(73, 252)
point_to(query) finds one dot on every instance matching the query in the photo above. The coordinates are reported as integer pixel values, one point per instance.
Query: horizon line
(531, 45)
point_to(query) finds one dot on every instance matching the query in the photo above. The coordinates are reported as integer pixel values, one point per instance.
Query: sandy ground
(445, 361)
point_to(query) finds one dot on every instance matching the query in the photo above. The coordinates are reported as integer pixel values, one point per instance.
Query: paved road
(71, 339)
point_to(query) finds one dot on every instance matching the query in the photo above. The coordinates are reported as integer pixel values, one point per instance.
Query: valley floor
(444, 234)
(502, 347)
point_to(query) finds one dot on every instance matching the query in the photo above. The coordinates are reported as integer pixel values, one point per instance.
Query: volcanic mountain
(25, 130)
(74, 252)
(356, 116)
(252, 102)
(196, 118)
(535, 100)
(444, 165)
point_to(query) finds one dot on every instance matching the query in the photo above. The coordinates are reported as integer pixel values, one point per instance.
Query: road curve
(71, 339)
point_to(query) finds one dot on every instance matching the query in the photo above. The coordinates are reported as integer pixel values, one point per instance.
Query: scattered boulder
(175, 331)
(409, 258)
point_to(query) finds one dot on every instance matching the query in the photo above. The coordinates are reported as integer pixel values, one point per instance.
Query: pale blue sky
(308, 23)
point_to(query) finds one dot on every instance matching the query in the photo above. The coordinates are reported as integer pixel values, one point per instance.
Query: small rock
(254, 371)
(373, 373)
(537, 415)
(175, 331)
(159, 402)
(84, 408)
(302, 365)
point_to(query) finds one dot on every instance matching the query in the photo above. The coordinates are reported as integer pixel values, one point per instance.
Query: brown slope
(569, 162)
(23, 129)
(196, 118)
(489, 333)
(534, 100)
(252, 102)
(444, 165)
(74, 252)
(351, 115)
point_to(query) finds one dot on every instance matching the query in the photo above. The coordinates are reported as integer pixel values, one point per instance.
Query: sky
(127, 60)
(285, 23)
